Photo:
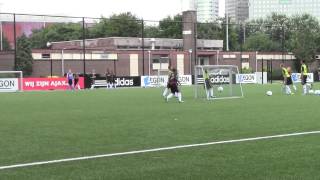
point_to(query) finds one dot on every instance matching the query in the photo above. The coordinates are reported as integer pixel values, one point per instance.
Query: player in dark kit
(109, 79)
(170, 74)
(76, 80)
(173, 84)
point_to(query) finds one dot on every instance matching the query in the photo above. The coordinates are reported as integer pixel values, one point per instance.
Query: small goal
(11, 81)
(222, 80)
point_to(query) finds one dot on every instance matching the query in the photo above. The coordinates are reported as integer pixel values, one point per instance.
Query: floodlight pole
(15, 41)
(142, 43)
(149, 61)
(62, 61)
(190, 60)
(84, 46)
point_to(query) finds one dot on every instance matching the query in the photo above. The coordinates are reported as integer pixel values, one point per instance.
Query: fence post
(84, 46)
(15, 41)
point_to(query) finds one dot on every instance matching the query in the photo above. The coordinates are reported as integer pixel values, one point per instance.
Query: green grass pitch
(43, 126)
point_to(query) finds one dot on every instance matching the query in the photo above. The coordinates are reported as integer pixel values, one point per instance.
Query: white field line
(155, 150)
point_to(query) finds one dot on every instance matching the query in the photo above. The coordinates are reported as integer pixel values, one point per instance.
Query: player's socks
(211, 93)
(294, 87)
(169, 96)
(165, 92)
(305, 89)
(180, 97)
(288, 90)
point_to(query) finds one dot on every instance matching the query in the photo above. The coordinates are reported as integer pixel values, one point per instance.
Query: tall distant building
(237, 10)
(207, 10)
(263, 8)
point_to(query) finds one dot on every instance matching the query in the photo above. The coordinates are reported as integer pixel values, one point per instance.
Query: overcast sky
(146, 9)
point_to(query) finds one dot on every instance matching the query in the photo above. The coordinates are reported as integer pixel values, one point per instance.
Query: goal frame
(20, 78)
(210, 66)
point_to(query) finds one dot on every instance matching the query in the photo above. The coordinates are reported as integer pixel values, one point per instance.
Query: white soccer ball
(220, 88)
(269, 93)
(311, 91)
(317, 92)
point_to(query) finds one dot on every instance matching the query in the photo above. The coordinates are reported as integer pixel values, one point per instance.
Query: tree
(24, 59)
(5, 44)
(122, 25)
(210, 31)
(171, 27)
(260, 42)
(305, 38)
(56, 32)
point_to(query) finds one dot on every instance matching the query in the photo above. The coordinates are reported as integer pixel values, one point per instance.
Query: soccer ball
(220, 88)
(311, 91)
(269, 93)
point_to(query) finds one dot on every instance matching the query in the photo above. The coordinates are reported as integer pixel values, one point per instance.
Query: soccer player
(170, 73)
(173, 84)
(109, 79)
(70, 79)
(208, 85)
(287, 81)
(304, 76)
(76, 80)
(113, 80)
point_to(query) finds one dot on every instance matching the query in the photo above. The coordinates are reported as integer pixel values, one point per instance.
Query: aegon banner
(32, 84)
(154, 81)
(247, 78)
(9, 84)
(296, 77)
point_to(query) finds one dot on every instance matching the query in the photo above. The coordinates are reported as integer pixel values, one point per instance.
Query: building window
(45, 56)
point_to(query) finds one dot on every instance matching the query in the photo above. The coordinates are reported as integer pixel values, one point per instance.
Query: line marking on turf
(155, 150)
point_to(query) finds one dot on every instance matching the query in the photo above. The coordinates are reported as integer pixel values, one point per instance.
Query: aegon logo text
(220, 79)
(7, 84)
(124, 82)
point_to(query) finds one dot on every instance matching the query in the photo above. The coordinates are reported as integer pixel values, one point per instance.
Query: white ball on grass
(269, 93)
(220, 88)
(311, 91)
(317, 92)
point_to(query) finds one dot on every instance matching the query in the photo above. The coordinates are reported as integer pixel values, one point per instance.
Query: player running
(173, 84)
(170, 73)
(208, 85)
(287, 80)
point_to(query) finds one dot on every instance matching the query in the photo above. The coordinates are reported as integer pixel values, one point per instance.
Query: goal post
(222, 82)
(11, 81)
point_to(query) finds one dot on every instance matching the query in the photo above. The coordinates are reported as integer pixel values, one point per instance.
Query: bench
(99, 83)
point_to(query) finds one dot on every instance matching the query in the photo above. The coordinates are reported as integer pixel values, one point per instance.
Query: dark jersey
(109, 78)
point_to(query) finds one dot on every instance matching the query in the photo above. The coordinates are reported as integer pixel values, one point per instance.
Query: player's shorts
(174, 89)
(70, 82)
(168, 85)
(304, 79)
(76, 81)
(289, 81)
(207, 82)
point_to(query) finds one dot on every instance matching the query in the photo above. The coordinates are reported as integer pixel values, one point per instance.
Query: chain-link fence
(128, 46)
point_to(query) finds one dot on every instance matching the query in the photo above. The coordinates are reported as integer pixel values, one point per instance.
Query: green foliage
(56, 32)
(261, 42)
(247, 70)
(305, 36)
(122, 25)
(5, 44)
(24, 59)
(171, 27)
(209, 31)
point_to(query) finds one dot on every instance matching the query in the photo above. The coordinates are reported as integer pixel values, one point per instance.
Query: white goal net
(221, 82)
(11, 81)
